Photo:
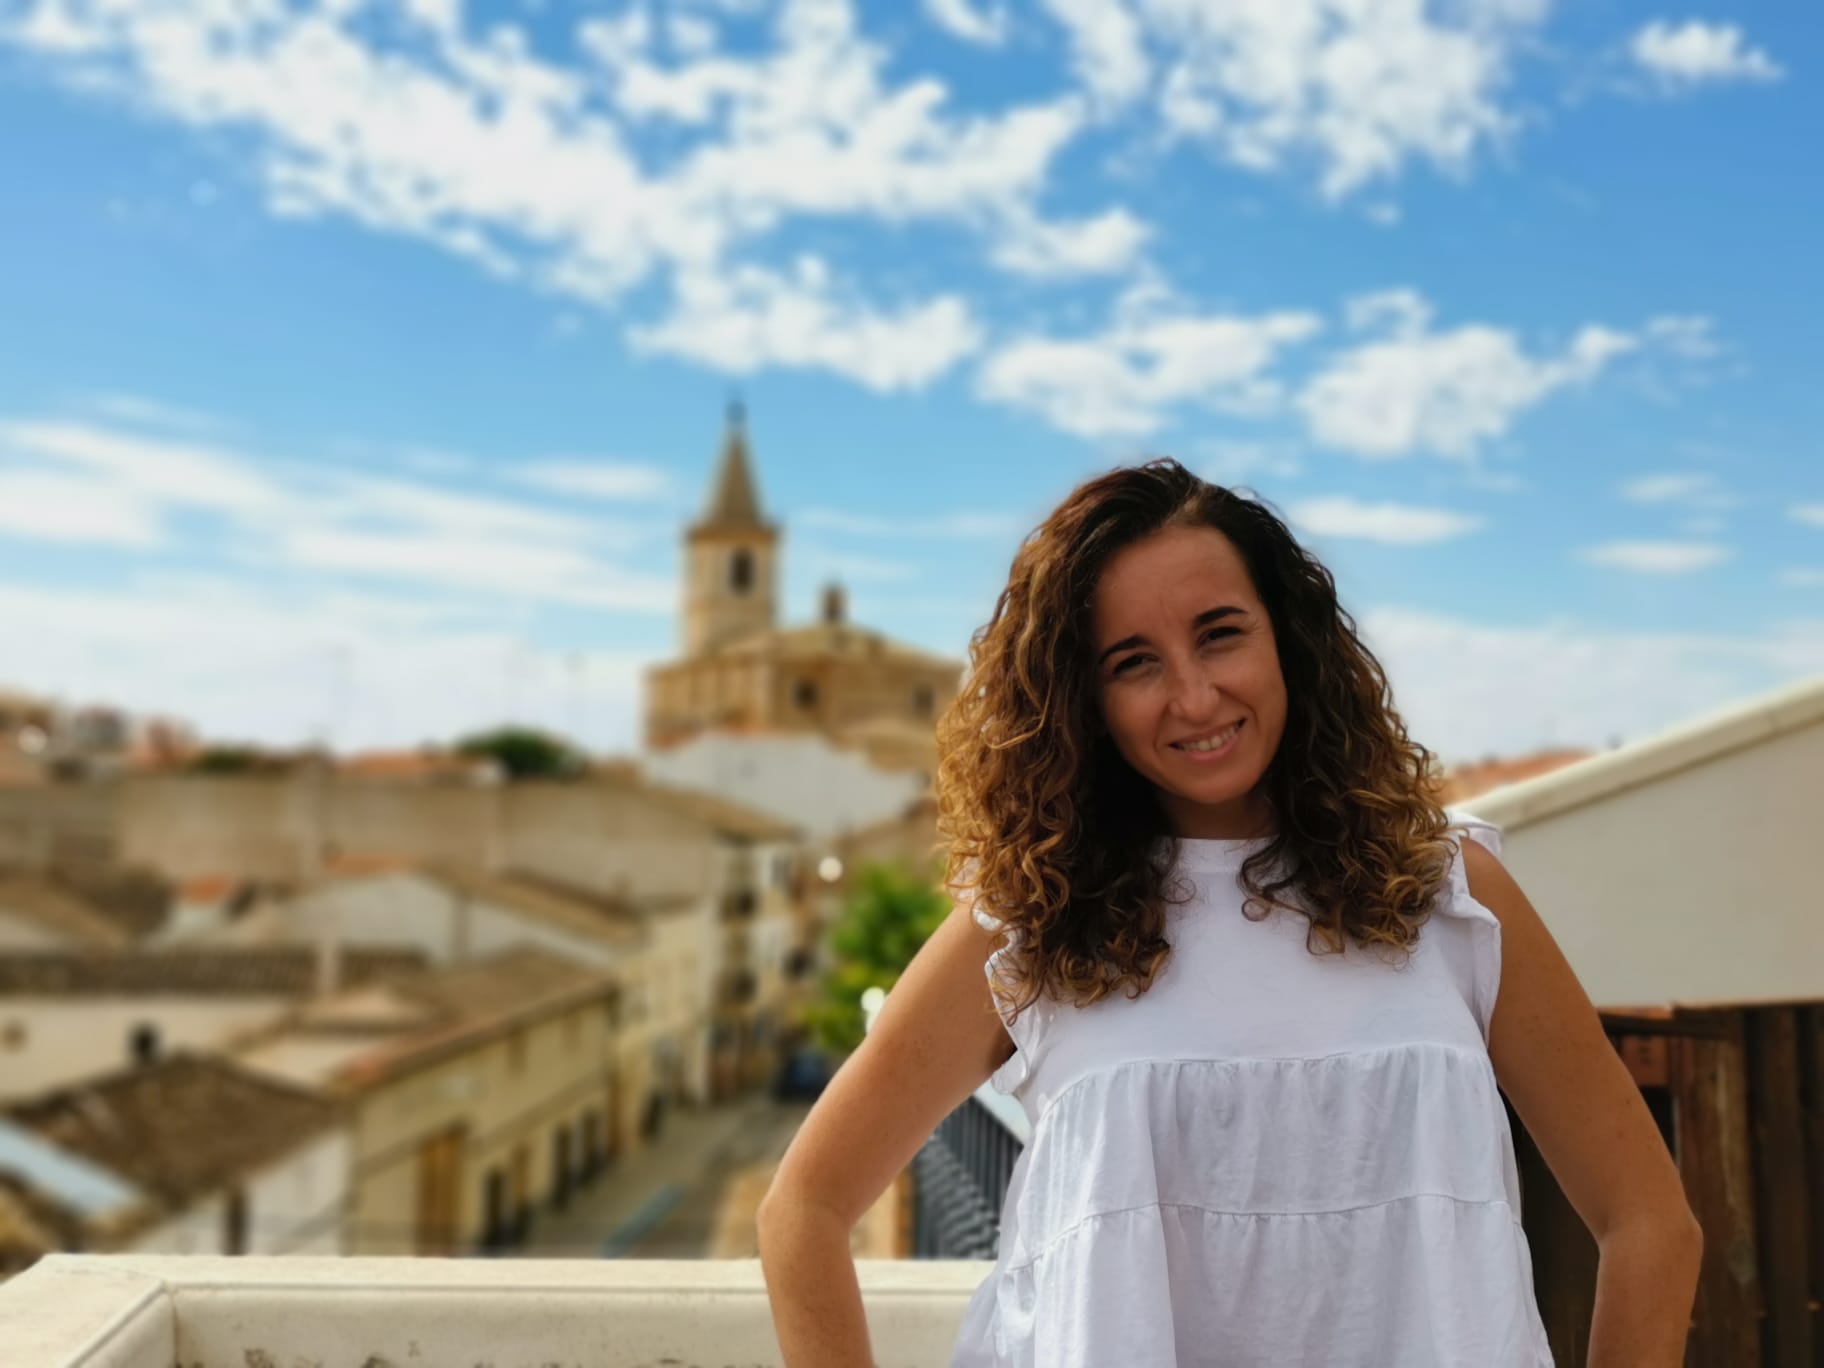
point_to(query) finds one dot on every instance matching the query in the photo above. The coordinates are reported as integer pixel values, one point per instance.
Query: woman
(1216, 934)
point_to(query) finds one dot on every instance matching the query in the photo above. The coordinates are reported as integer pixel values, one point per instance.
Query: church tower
(730, 554)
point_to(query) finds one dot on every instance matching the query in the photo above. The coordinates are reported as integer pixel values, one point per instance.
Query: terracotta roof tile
(180, 1127)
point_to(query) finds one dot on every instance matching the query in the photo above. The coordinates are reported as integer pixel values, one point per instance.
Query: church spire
(732, 501)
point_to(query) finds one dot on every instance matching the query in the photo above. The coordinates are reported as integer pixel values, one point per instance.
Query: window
(145, 1043)
(804, 693)
(741, 570)
(923, 700)
(234, 1222)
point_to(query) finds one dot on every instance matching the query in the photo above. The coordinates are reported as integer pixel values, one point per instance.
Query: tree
(890, 912)
(525, 753)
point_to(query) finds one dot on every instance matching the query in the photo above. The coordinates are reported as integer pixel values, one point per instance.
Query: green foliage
(525, 753)
(891, 911)
(230, 759)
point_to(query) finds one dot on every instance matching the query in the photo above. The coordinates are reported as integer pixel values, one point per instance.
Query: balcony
(151, 1311)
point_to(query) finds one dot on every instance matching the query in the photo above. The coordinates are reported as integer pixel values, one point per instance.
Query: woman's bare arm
(936, 1039)
(1582, 1108)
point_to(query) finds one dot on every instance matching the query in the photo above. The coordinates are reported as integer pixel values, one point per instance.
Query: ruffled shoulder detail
(1482, 970)
(1024, 1027)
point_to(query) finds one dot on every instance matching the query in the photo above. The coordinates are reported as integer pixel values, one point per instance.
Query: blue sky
(362, 362)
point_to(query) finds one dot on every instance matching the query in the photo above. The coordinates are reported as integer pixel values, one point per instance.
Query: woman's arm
(1584, 1111)
(935, 1040)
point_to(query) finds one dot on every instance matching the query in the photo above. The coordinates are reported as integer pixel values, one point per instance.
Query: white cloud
(1359, 89)
(608, 480)
(1108, 46)
(1469, 690)
(532, 168)
(1811, 514)
(744, 319)
(1447, 392)
(256, 662)
(1656, 557)
(1156, 354)
(158, 470)
(135, 408)
(1696, 53)
(987, 26)
(1803, 577)
(1395, 524)
(1698, 489)
(1690, 336)
(78, 481)
(52, 506)
(1102, 245)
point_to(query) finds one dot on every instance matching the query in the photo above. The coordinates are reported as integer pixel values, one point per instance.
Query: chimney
(833, 607)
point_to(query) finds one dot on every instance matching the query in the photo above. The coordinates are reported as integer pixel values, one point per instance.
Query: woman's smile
(1215, 748)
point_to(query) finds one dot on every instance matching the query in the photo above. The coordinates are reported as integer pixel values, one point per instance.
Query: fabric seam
(1076, 1226)
(1473, 1053)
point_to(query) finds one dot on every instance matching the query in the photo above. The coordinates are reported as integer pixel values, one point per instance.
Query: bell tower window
(741, 570)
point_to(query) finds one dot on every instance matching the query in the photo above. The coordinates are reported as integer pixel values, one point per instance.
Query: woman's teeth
(1216, 742)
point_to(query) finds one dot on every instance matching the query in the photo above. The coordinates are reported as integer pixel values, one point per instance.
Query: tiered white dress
(1270, 1159)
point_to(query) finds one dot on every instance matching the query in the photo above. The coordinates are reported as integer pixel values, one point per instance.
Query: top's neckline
(1195, 852)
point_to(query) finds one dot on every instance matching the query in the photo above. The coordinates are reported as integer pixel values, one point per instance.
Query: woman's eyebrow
(1207, 615)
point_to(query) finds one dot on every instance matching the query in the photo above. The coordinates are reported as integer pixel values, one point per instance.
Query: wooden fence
(1739, 1096)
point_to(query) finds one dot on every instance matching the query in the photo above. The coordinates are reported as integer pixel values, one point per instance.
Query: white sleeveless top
(1271, 1157)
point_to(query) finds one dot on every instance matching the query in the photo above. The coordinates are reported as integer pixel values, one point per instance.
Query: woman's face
(1184, 650)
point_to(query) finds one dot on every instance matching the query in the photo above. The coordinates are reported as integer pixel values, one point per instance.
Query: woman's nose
(1194, 693)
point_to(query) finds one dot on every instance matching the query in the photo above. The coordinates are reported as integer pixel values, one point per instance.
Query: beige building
(742, 670)
(477, 1094)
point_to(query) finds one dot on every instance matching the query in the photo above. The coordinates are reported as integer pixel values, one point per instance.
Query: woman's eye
(1210, 635)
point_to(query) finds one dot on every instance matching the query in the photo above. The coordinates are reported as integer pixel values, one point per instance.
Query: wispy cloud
(1695, 489)
(611, 481)
(1415, 388)
(1694, 53)
(1656, 557)
(750, 318)
(252, 660)
(1473, 689)
(1812, 514)
(1299, 82)
(73, 480)
(986, 25)
(1157, 353)
(1393, 523)
(661, 150)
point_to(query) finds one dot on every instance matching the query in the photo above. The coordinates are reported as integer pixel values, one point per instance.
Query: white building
(1683, 868)
(802, 778)
(66, 1016)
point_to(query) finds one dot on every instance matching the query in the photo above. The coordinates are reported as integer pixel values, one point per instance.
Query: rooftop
(179, 1127)
(99, 906)
(1699, 741)
(374, 1033)
(250, 971)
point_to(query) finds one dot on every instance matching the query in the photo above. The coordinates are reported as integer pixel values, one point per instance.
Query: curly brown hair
(1048, 827)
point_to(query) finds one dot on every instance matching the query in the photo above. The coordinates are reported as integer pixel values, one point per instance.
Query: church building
(742, 671)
